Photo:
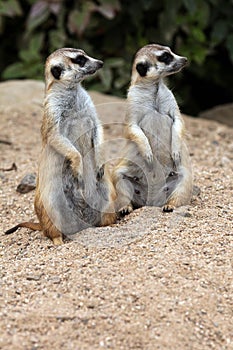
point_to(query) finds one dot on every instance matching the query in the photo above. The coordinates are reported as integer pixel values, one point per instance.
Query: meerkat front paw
(77, 169)
(149, 157)
(78, 176)
(176, 157)
(100, 172)
(176, 151)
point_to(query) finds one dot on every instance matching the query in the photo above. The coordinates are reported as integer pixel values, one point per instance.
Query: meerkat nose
(100, 63)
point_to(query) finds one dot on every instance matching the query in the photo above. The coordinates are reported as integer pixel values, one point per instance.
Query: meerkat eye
(142, 68)
(80, 60)
(56, 71)
(166, 58)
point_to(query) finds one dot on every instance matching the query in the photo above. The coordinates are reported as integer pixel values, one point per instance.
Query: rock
(33, 277)
(196, 191)
(185, 214)
(225, 161)
(27, 184)
(222, 114)
(55, 279)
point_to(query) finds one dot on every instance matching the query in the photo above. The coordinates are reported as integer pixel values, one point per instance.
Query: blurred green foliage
(113, 30)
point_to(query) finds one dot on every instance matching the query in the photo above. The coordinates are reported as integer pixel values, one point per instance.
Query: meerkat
(74, 188)
(155, 168)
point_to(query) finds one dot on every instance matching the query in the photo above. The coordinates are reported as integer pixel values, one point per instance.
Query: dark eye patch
(142, 68)
(80, 60)
(166, 58)
(56, 71)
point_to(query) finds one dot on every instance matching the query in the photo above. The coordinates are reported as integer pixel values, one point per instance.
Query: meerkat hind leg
(47, 225)
(124, 190)
(57, 240)
(181, 194)
(108, 219)
(54, 234)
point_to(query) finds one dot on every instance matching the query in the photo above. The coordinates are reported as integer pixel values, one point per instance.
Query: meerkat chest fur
(73, 113)
(146, 98)
(165, 102)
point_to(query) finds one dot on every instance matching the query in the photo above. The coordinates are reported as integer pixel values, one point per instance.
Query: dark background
(113, 30)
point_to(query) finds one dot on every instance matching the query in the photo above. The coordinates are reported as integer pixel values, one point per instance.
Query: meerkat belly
(79, 132)
(81, 136)
(52, 192)
(83, 198)
(66, 200)
(158, 132)
(155, 184)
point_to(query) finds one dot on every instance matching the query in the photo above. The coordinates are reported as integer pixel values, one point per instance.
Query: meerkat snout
(100, 64)
(94, 67)
(179, 63)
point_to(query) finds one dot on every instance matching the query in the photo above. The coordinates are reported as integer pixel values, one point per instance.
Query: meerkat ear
(56, 71)
(142, 68)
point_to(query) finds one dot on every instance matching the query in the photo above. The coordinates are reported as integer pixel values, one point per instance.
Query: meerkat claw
(150, 158)
(126, 210)
(176, 156)
(100, 172)
(168, 208)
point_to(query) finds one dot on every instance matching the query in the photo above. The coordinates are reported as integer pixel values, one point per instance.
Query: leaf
(38, 9)
(15, 70)
(148, 4)
(55, 7)
(108, 8)
(114, 62)
(198, 34)
(57, 38)
(10, 8)
(36, 42)
(78, 20)
(1, 25)
(113, 3)
(229, 45)
(39, 14)
(202, 14)
(120, 82)
(106, 77)
(199, 55)
(219, 31)
(34, 47)
(172, 8)
(190, 5)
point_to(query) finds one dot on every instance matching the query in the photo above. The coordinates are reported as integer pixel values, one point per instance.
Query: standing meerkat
(155, 168)
(74, 189)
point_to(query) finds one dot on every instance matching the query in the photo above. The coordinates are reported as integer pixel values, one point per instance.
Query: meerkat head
(69, 65)
(153, 62)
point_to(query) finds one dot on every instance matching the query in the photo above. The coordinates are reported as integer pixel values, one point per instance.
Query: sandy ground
(152, 281)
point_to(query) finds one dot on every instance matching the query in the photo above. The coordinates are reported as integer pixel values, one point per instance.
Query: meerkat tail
(33, 226)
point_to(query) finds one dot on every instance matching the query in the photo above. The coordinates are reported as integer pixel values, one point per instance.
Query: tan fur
(60, 145)
(155, 131)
